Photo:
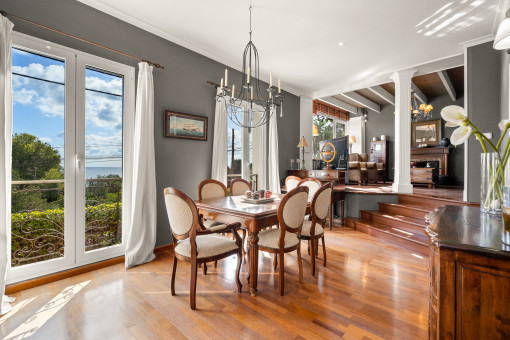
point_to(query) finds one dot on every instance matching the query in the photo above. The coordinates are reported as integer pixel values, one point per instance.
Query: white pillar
(402, 177)
(306, 128)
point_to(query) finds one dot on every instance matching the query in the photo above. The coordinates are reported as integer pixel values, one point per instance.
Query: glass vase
(492, 180)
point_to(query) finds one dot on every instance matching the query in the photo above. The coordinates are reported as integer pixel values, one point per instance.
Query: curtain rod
(156, 65)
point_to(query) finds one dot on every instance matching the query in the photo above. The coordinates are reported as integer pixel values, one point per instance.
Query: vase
(492, 179)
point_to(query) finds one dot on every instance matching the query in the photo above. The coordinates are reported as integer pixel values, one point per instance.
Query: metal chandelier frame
(260, 103)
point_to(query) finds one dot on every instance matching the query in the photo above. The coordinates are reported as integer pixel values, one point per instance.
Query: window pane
(325, 128)
(37, 219)
(103, 159)
(234, 146)
(340, 130)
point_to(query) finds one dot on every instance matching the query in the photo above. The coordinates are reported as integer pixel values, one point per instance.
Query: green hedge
(39, 235)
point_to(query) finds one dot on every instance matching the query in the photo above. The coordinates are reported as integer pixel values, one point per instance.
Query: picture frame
(185, 126)
(426, 132)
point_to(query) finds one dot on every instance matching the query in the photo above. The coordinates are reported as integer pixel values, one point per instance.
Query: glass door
(43, 177)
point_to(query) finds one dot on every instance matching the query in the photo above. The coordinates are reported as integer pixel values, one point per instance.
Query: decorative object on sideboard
(328, 153)
(261, 103)
(383, 137)
(302, 144)
(427, 132)
(352, 140)
(185, 126)
(374, 139)
(445, 142)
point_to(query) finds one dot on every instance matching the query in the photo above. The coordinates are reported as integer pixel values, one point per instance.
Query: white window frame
(73, 175)
(335, 120)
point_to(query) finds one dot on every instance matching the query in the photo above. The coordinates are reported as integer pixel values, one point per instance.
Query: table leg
(342, 206)
(254, 261)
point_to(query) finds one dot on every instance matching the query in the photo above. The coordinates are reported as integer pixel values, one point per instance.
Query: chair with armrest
(194, 243)
(284, 239)
(357, 173)
(370, 167)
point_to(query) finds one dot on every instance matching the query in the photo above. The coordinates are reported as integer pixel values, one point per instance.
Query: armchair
(357, 173)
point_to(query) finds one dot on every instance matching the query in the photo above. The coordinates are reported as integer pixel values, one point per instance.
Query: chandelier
(420, 113)
(250, 106)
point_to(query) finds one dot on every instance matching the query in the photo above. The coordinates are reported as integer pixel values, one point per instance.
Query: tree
(32, 158)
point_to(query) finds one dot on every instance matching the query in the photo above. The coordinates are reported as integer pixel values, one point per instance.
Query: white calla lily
(505, 123)
(448, 124)
(461, 134)
(454, 115)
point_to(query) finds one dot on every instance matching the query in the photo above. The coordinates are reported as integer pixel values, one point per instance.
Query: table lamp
(352, 140)
(315, 131)
(302, 144)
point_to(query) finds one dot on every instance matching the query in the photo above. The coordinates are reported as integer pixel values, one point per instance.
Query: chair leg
(238, 270)
(300, 264)
(281, 273)
(317, 247)
(324, 250)
(275, 261)
(205, 268)
(312, 257)
(193, 285)
(174, 270)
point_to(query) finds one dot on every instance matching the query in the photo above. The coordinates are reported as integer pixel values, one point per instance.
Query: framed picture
(427, 132)
(185, 126)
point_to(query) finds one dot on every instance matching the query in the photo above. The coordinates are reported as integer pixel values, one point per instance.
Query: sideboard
(469, 275)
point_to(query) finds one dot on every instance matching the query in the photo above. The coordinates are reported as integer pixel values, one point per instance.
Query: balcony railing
(37, 219)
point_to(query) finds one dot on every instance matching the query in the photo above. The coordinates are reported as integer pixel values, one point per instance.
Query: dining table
(253, 217)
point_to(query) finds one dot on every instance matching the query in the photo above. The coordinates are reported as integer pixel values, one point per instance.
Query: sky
(39, 106)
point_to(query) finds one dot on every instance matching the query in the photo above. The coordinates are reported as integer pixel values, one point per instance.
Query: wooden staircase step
(409, 224)
(414, 242)
(432, 202)
(410, 210)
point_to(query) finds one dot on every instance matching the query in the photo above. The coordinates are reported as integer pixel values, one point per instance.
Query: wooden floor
(369, 290)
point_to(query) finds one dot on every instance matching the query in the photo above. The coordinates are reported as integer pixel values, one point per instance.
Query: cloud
(113, 86)
(105, 147)
(23, 96)
(45, 139)
(103, 110)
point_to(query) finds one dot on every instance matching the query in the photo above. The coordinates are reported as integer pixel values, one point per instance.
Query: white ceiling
(298, 39)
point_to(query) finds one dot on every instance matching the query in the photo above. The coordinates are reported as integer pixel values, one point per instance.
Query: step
(405, 223)
(430, 202)
(410, 210)
(389, 234)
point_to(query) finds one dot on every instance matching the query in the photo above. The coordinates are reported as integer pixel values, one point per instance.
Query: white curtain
(273, 163)
(142, 235)
(219, 156)
(5, 153)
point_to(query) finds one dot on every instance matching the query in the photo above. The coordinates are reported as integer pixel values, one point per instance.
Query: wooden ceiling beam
(447, 82)
(419, 95)
(363, 101)
(385, 95)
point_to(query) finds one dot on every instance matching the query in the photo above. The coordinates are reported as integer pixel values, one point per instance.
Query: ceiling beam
(340, 104)
(445, 78)
(419, 95)
(378, 90)
(362, 101)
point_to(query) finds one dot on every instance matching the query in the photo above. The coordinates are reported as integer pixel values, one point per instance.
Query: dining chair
(291, 182)
(313, 230)
(313, 185)
(198, 245)
(239, 186)
(291, 213)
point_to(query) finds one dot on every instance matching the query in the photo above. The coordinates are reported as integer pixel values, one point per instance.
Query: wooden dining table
(253, 218)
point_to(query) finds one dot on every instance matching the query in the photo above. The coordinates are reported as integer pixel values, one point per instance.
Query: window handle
(79, 161)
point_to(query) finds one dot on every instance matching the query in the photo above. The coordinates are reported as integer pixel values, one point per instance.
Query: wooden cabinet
(321, 175)
(439, 154)
(379, 153)
(424, 176)
(469, 275)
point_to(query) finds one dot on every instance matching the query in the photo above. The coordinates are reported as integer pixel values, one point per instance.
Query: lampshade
(315, 132)
(502, 41)
(302, 143)
(352, 139)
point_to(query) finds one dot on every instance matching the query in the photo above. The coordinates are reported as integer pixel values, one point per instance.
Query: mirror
(426, 133)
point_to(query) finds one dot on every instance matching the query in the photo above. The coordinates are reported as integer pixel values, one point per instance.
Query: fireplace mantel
(439, 154)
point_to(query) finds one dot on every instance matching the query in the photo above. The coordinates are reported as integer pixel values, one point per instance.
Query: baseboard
(42, 280)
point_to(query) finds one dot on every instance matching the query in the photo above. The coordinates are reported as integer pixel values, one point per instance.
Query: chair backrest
(313, 185)
(321, 202)
(239, 186)
(363, 157)
(291, 182)
(182, 214)
(354, 157)
(291, 211)
(211, 188)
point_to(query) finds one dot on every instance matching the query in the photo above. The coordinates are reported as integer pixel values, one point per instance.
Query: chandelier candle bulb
(221, 85)
(233, 90)
(248, 81)
(279, 87)
(251, 93)
(226, 77)
(270, 79)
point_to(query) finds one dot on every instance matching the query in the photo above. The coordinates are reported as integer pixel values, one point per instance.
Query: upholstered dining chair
(313, 230)
(291, 213)
(313, 185)
(239, 186)
(198, 245)
(291, 182)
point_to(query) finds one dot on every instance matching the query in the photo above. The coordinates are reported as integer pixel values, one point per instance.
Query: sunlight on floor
(36, 321)
(16, 308)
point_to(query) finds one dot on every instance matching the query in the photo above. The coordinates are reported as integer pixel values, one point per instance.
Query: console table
(469, 275)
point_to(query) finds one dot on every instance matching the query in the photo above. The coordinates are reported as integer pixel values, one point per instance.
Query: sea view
(94, 172)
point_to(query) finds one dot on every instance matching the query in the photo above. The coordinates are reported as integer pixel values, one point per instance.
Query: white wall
(357, 129)
(306, 127)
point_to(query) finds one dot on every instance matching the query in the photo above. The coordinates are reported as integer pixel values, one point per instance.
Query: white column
(306, 128)
(402, 178)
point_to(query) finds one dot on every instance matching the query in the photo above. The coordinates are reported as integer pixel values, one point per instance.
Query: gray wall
(484, 82)
(181, 86)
